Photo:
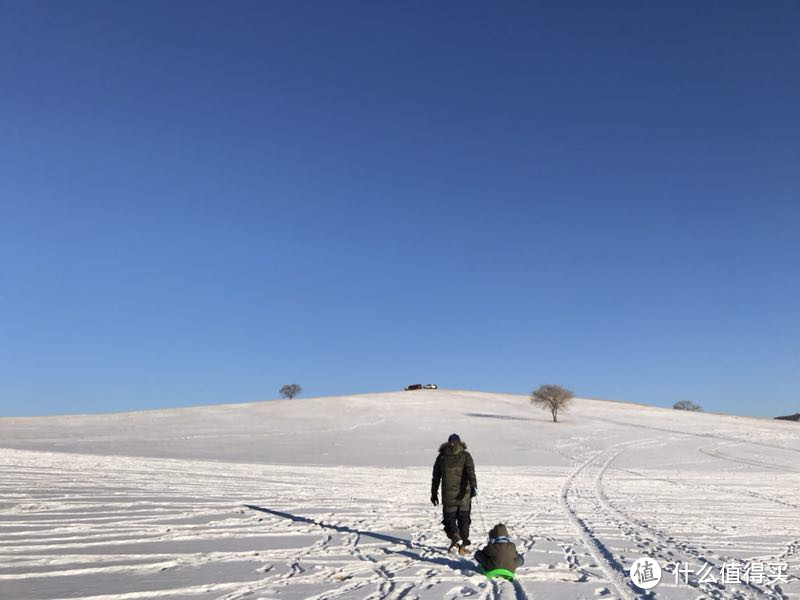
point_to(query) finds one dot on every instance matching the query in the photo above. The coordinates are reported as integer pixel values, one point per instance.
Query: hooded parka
(456, 471)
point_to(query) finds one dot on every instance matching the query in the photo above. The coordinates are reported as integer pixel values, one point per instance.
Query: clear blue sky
(200, 202)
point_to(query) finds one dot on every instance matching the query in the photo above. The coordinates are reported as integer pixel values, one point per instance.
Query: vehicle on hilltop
(419, 386)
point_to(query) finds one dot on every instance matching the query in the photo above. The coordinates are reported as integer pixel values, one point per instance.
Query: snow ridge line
(594, 546)
(715, 453)
(715, 436)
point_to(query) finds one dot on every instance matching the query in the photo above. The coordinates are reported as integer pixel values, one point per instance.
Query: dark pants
(456, 521)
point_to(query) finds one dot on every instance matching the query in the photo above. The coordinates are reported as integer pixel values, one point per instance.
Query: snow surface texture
(328, 498)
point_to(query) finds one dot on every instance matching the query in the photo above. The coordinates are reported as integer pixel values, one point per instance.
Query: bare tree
(291, 390)
(552, 397)
(687, 405)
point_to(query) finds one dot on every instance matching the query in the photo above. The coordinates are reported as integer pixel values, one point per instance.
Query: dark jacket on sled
(500, 552)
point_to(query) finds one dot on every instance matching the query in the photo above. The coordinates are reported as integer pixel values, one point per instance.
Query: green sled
(504, 573)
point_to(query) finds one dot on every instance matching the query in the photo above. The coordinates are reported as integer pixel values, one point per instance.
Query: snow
(328, 498)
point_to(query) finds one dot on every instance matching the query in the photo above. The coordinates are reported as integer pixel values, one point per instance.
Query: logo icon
(645, 573)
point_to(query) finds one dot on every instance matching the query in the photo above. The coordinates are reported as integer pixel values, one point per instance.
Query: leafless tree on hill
(552, 397)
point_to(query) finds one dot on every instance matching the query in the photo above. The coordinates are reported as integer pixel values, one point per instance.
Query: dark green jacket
(500, 552)
(456, 471)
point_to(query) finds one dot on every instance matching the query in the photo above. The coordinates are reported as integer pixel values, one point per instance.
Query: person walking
(455, 470)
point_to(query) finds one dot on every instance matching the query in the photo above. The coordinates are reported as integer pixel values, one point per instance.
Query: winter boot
(455, 540)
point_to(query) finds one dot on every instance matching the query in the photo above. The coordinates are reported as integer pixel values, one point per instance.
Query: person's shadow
(448, 562)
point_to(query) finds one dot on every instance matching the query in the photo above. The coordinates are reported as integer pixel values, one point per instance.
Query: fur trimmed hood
(448, 448)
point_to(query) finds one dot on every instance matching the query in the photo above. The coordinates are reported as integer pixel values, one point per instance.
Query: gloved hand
(474, 491)
(435, 499)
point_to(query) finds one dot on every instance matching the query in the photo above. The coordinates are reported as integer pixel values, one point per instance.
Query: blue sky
(200, 202)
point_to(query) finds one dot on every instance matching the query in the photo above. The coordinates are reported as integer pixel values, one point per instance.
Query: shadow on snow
(502, 417)
(453, 564)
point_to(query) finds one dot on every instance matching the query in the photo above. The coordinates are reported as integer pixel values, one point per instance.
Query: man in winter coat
(500, 552)
(455, 470)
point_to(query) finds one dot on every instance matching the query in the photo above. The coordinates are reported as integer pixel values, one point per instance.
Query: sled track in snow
(599, 552)
(590, 511)
(664, 547)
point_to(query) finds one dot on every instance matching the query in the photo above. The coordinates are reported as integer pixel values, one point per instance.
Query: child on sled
(500, 554)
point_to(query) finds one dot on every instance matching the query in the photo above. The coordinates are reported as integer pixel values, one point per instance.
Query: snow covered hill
(328, 498)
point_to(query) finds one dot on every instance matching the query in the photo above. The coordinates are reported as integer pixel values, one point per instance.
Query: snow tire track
(663, 546)
(600, 553)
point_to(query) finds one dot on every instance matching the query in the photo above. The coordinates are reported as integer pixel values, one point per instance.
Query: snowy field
(328, 498)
